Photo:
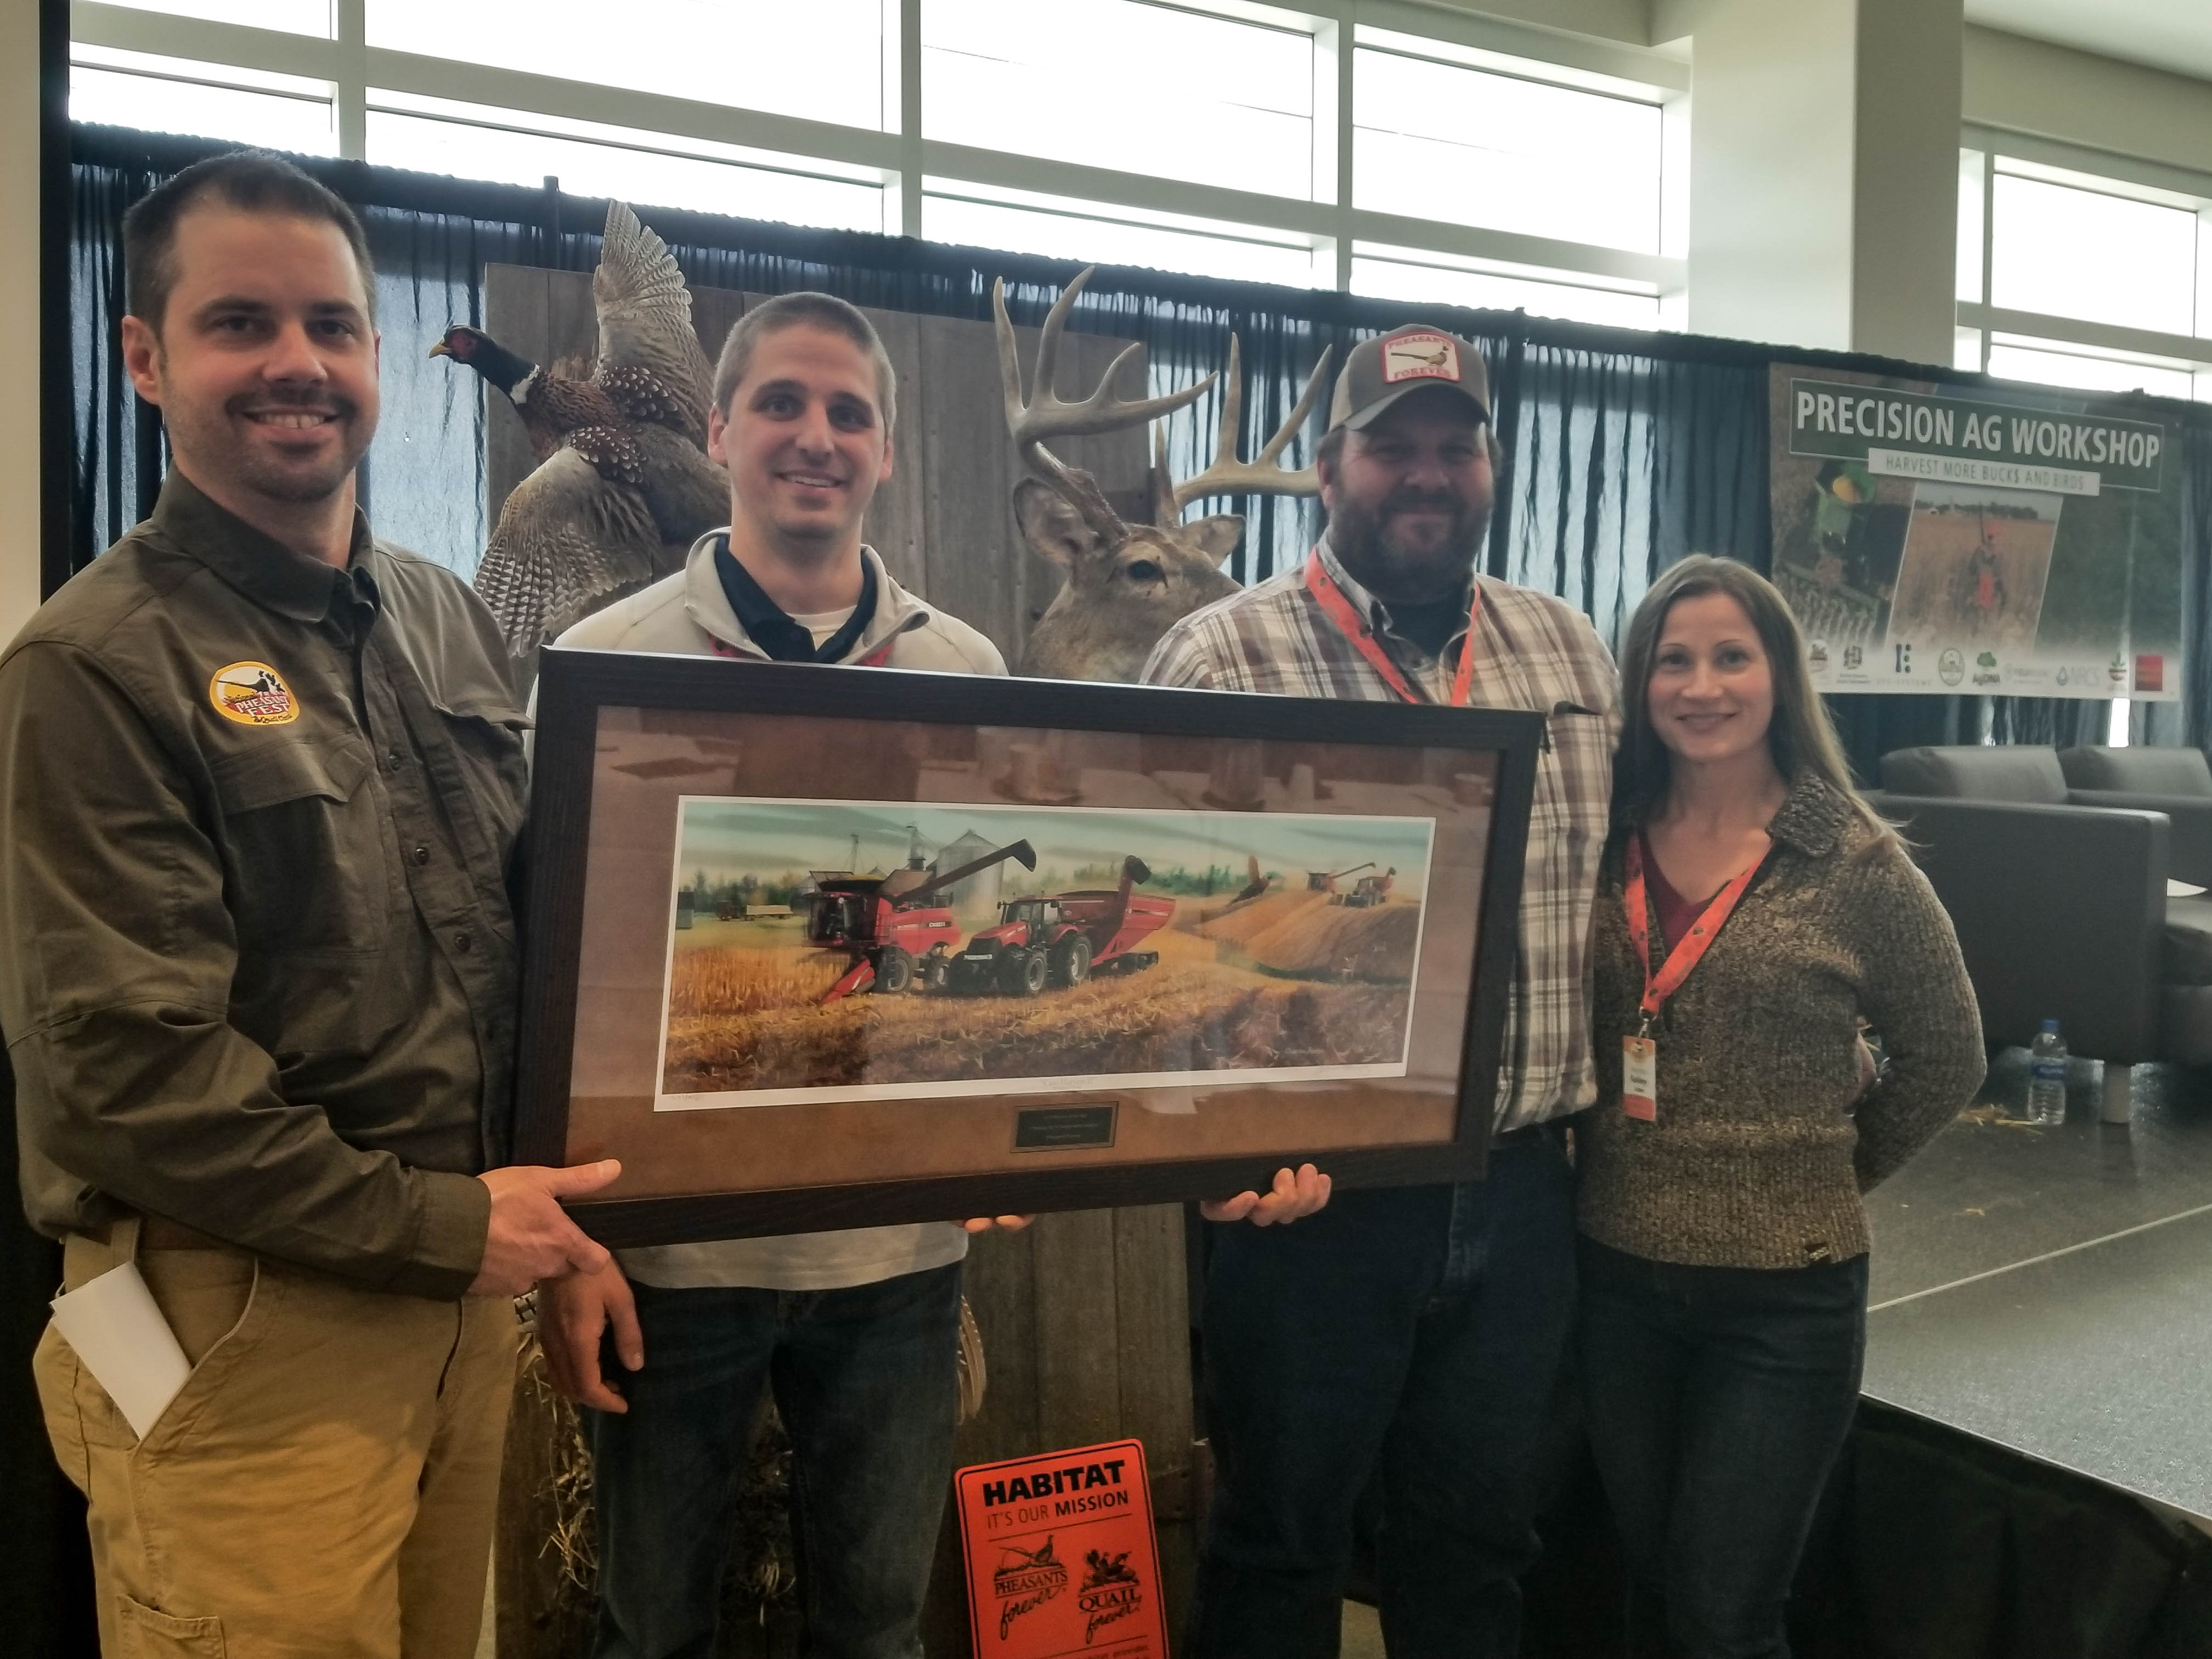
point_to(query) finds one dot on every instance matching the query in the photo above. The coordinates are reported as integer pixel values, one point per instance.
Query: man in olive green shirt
(262, 778)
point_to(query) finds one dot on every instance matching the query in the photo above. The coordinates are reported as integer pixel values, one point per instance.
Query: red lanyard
(1349, 623)
(875, 659)
(1688, 950)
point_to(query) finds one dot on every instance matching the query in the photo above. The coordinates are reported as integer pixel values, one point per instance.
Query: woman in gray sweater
(1723, 1256)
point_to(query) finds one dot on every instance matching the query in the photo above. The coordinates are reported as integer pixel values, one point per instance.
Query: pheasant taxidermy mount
(623, 484)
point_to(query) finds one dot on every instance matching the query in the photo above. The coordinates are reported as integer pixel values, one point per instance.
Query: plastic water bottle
(2046, 1076)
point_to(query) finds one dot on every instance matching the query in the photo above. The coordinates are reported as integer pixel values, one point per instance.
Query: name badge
(1639, 1079)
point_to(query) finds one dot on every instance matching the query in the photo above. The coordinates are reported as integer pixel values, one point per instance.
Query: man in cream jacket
(858, 1332)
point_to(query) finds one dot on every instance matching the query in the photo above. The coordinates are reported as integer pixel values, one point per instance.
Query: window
(2070, 252)
(1202, 136)
(821, 60)
(2056, 362)
(1068, 229)
(1540, 294)
(1441, 141)
(287, 16)
(201, 101)
(436, 135)
(1123, 84)
(2092, 281)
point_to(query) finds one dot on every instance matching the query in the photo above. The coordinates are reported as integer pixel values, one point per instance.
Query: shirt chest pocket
(309, 858)
(487, 737)
(1573, 785)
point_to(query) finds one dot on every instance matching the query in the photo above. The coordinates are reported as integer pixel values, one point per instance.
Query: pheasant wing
(568, 542)
(644, 327)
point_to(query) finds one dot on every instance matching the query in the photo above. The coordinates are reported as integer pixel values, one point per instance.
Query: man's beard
(215, 444)
(1398, 572)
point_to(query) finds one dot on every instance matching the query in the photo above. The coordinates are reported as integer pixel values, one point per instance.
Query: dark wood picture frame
(574, 686)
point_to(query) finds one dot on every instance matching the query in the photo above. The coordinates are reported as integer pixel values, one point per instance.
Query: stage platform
(2049, 1290)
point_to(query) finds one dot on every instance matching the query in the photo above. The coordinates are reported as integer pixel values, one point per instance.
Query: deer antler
(1033, 417)
(1266, 476)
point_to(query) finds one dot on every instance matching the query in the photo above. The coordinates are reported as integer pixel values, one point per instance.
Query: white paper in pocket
(120, 1335)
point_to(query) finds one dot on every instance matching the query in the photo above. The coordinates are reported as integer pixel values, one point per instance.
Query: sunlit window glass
(821, 60)
(290, 16)
(201, 101)
(1101, 235)
(1436, 141)
(1393, 279)
(508, 147)
(2056, 362)
(2070, 252)
(1114, 83)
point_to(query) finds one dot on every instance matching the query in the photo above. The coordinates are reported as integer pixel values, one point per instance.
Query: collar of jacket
(897, 611)
(1812, 818)
(261, 567)
(1376, 612)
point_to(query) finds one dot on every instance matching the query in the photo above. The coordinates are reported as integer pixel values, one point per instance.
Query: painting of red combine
(889, 950)
(892, 934)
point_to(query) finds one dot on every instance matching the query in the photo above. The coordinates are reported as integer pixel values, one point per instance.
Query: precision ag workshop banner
(2026, 544)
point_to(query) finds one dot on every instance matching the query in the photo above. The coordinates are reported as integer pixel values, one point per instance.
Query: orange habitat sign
(1061, 1558)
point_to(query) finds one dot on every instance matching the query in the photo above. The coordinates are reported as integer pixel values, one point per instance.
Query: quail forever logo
(1111, 1590)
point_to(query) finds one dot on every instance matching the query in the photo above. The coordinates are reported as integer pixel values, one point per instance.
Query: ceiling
(2168, 34)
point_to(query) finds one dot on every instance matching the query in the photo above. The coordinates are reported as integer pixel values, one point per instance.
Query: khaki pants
(323, 1486)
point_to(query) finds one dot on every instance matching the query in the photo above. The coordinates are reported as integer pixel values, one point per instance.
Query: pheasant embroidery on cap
(1416, 356)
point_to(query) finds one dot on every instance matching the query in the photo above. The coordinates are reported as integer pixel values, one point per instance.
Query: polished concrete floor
(2051, 1290)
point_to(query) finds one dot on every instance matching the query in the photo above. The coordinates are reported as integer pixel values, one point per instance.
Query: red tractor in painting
(1062, 938)
(892, 936)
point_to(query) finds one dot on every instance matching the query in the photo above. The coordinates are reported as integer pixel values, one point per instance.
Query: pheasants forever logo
(1024, 1580)
(1417, 357)
(253, 694)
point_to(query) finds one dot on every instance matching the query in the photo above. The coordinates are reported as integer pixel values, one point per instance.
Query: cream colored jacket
(684, 615)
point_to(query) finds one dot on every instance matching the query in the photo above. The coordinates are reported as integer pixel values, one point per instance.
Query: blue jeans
(1413, 1333)
(866, 1381)
(1718, 1399)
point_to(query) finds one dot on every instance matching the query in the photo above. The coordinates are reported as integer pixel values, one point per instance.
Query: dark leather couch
(2059, 894)
(2175, 781)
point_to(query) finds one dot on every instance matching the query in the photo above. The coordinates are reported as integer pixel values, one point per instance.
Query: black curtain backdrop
(1625, 450)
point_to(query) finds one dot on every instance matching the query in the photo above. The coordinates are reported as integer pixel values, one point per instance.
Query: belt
(1552, 1129)
(159, 1233)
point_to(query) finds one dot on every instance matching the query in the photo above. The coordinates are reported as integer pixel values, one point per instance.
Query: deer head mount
(1126, 583)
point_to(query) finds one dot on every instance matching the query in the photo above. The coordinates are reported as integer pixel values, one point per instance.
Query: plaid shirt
(1533, 652)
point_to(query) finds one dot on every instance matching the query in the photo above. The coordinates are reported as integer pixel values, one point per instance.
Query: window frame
(1326, 221)
(1981, 324)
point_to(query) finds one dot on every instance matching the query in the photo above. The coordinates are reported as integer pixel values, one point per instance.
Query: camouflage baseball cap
(1383, 370)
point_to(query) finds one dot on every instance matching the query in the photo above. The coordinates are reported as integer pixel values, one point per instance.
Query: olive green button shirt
(258, 958)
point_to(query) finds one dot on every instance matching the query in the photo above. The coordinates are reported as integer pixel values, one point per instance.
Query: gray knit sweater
(1758, 1156)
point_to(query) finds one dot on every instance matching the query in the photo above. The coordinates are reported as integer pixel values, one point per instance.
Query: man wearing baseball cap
(1410, 1338)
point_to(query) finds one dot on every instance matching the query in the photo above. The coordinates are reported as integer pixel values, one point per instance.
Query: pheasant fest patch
(1420, 356)
(253, 694)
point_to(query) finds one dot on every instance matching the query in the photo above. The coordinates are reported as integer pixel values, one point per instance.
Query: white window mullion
(350, 84)
(1334, 60)
(903, 46)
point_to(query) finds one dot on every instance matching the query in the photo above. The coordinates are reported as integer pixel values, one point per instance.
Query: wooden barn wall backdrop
(944, 522)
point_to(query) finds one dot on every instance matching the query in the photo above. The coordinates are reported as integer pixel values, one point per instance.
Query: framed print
(813, 948)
